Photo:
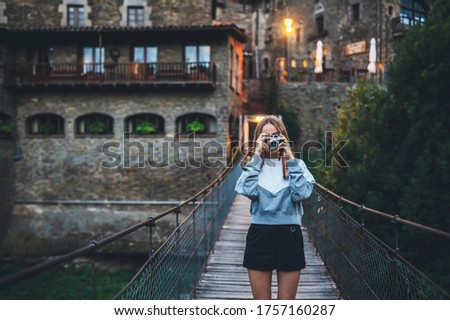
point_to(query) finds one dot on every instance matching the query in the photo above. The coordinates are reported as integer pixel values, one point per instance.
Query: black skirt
(272, 247)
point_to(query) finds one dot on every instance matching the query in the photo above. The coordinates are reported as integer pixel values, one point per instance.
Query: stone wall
(107, 12)
(48, 230)
(175, 12)
(69, 167)
(7, 197)
(7, 153)
(316, 105)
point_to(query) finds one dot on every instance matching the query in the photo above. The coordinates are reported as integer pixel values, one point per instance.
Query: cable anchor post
(94, 244)
(395, 221)
(150, 224)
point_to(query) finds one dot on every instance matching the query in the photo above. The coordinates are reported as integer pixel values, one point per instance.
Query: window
(355, 12)
(75, 15)
(266, 64)
(248, 64)
(197, 58)
(241, 5)
(93, 59)
(5, 126)
(390, 10)
(267, 6)
(135, 16)
(145, 54)
(41, 59)
(45, 124)
(320, 25)
(145, 123)
(197, 54)
(412, 12)
(236, 73)
(197, 123)
(94, 123)
(144, 62)
(231, 65)
(299, 34)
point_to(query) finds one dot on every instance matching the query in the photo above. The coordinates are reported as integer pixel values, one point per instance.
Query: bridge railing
(362, 266)
(174, 269)
(191, 241)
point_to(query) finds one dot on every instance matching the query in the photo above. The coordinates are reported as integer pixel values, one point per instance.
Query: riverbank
(73, 280)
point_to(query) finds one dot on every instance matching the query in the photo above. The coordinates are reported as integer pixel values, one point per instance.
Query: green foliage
(290, 120)
(364, 121)
(399, 140)
(195, 126)
(97, 127)
(46, 128)
(146, 127)
(5, 127)
(67, 282)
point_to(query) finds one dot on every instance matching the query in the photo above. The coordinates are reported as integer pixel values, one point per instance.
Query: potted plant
(97, 127)
(195, 126)
(46, 128)
(5, 129)
(146, 128)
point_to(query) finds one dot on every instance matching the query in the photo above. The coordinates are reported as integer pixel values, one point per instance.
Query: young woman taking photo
(276, 183)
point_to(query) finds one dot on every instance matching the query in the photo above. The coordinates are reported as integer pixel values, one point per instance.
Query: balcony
(112, 75)
(398, 27)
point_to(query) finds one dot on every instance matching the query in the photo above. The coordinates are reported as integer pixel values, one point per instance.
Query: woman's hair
(281, 128)
(273, 120)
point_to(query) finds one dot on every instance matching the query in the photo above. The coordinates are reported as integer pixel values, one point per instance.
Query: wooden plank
(224, 277)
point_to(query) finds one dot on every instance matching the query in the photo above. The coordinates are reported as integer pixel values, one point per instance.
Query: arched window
(5, 126)
(45, 124)
(198, 123)
(94, 123)
(413, 12)
(144, 123)
(319, 17)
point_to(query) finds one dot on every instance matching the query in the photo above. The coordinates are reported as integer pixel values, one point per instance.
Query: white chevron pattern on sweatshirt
(271, 176)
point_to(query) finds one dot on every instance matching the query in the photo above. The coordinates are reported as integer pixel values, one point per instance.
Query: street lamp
(288, 28)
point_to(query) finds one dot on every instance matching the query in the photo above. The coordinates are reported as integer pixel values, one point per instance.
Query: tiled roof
(117, 28)
(163, 28)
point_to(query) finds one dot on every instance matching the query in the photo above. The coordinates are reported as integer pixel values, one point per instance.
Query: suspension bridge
(202, 258)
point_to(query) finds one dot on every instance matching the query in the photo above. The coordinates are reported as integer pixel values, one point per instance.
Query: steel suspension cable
(394, 218)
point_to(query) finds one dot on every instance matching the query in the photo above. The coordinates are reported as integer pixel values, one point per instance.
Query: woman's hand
(261, 145)
(284, 149)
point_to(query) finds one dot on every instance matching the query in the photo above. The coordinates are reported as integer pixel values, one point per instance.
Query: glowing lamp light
(288, 24)
(305, 64)
(259, 118)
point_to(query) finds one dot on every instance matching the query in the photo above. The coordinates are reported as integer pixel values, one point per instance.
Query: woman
(276, 183)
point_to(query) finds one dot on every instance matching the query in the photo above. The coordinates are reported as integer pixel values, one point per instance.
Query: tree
(399, 140)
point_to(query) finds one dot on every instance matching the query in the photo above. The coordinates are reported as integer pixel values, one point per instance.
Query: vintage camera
(273, 141)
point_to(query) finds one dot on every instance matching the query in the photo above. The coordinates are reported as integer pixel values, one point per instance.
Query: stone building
(345, 27)
(99, 99)
(111, 101)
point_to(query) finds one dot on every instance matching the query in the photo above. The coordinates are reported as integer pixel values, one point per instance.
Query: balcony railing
(398, 27)
(128, 74)
(345, 71)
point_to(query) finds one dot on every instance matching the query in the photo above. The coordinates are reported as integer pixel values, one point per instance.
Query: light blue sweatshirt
(275, 200)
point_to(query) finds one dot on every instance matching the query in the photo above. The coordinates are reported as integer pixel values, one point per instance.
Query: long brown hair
(281, 128)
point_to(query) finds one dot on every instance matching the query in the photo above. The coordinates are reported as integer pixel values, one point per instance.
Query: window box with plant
(46, 128)
(97, 127)
(195, 127)
(94, 125)
(5, 130)
(146, 127)
(197, 123)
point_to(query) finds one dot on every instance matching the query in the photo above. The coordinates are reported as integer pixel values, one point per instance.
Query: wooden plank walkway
(225, 278)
